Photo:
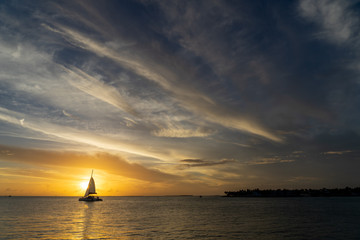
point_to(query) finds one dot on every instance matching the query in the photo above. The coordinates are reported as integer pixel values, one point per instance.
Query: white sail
(91, 187)
(87, 192)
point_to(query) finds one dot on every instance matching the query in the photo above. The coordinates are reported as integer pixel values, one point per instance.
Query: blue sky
(185, 96)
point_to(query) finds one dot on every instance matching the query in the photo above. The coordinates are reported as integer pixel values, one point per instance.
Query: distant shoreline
(324, 192)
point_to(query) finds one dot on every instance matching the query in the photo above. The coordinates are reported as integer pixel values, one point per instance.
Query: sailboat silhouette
(90, 190)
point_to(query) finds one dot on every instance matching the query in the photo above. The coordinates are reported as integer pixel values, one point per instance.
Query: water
(180, 218)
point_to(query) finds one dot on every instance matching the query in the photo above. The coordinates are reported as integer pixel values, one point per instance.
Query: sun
(83, 185)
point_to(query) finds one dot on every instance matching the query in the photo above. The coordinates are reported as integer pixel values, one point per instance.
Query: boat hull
(90, 199)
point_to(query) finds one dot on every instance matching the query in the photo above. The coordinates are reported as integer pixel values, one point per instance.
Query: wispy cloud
(334, 17)
(171, 81)
(176, 130)
(98, 89)
(65, 133)
(67, 114)
(337, 152)
(270, 160)
(190, 163)
(181, 133)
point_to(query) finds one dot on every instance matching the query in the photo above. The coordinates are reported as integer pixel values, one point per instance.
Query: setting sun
(83, 185)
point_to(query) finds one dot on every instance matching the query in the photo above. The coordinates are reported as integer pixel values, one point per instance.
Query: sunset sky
(178, 97)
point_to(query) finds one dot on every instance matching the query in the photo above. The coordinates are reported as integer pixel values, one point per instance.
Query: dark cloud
(189, 163)
(192, 161)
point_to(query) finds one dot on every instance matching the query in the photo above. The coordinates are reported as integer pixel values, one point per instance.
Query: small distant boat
(88, 197)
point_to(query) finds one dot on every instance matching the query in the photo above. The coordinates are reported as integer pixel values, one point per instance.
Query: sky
(178, 97)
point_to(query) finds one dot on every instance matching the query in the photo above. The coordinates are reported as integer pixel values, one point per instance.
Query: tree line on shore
(324, 192)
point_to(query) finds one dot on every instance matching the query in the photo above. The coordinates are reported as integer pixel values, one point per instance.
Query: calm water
(180, 218)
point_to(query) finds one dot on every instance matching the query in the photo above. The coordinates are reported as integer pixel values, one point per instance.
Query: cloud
(187, 24)
(179, 132)
(192, 160)
(98, 89)
(31, 172)
(10, 116)
(334, 17)
(337, 152)
(270, 160)
(67, 114)
(190, 163)
(243, 124)
(103, 161)
(171, 80)
(33, 82)
(76, 136)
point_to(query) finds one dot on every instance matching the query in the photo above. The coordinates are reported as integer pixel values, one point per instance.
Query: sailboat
(90, 190)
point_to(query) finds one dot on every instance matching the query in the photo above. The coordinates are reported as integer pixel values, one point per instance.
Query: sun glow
(84, 185)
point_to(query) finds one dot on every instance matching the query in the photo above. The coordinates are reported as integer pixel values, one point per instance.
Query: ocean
(180, 217)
